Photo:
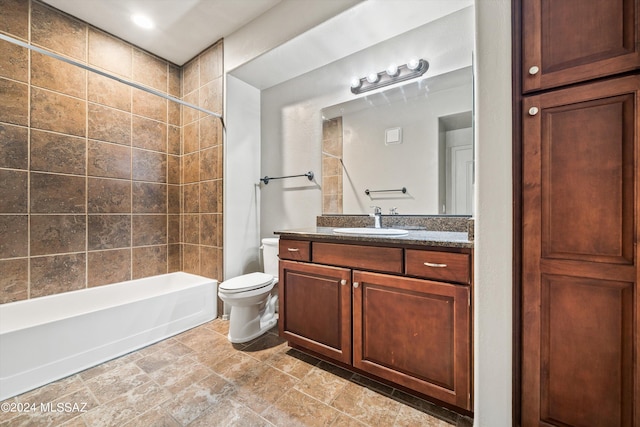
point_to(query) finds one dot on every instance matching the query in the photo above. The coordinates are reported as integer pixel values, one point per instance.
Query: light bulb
(413, 63)
(355, 82)
(392, 70)
(372, 78)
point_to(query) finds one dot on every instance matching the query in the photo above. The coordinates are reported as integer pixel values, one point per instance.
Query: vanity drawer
(296, 250)
(443, 266)
(355, 256)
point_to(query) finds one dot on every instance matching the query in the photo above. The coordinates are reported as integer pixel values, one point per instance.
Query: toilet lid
(246, 282)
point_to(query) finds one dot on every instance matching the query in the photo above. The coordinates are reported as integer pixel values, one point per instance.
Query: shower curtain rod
(110, 76)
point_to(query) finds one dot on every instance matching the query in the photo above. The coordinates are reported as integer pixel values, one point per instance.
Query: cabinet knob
(534, 70)
(343, 282)
(356, 284)
(533, 111)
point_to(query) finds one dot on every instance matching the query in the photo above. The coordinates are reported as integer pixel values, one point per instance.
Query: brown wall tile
(149, 166)
(14, 280)
(174, 112)
(149, 105)
(191, 76)
(174, 140)
(14, 61)
(58, 32)
(191, 229)
(175, 258)
(108, 160)
(149, 261)
(149, 70)
(54, 234)
(13, 191)
(174, 82)
(173, 199)
(106, 267)
(211, 229)
(173, 168)
(14, 102)
(189, 114)
(149, 230)
(57, 193)
(173, 229)
(211, 262)
(211, 196)
(211, 163)
(210, 132)
(56, 274)
(54, 152)
(191, 198)
(14, 236)
(109, 232)
(109, 92)
(56, 75)
(149, 198)
(190, 138)
(14, 147)
(149, 134)
(110, 53)
(109, 124)
(14, 18)
(108, 196)
(211, 97)
(211, 63)
(191, 258)
(57, 112)
(191, 167)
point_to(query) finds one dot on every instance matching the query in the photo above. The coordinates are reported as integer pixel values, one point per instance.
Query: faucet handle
(393, 211)
(376, 210)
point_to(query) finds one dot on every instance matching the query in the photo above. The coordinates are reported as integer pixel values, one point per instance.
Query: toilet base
(249, 322)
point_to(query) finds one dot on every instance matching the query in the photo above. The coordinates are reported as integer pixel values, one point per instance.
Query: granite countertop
(418, 237)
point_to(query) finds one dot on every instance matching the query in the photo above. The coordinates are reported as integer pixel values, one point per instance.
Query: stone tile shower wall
(91, 170)
(331, 166)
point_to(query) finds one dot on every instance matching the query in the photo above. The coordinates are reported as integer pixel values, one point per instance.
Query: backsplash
(101, 182)
(462, 224)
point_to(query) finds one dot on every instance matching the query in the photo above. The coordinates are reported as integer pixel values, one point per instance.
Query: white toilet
(253, 307)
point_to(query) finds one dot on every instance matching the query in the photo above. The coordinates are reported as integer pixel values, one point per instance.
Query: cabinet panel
(415, 333)
(579, 272)
(575, 40)
(315, 308)
(446, 266)
(357, 256)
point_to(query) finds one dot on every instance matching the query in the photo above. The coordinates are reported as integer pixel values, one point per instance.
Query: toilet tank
(270, 255)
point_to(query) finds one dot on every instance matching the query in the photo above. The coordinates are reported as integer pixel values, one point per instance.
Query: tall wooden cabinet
(580, 222)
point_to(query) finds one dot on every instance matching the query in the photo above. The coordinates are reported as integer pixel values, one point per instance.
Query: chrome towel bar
(266, 179)
(403, 190)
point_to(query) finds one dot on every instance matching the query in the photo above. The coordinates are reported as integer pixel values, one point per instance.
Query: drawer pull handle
(432, 264)
(356, 284)
(343, 282)
(293, 249)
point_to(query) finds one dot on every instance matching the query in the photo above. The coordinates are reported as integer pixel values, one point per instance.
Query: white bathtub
(48, 338)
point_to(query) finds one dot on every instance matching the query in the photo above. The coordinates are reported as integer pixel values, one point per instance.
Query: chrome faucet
(377, 214)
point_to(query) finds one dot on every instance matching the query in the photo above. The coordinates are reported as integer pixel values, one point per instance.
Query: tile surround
(198, 378)
(92, 172)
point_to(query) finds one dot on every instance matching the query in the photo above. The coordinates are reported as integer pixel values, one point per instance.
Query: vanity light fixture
(393, 74)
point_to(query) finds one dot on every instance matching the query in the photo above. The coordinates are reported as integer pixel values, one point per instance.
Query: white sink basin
(371, 231)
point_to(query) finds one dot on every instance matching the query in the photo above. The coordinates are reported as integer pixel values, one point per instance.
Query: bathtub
(48, 338)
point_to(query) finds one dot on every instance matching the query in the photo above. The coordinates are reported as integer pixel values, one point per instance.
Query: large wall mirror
(408, 149)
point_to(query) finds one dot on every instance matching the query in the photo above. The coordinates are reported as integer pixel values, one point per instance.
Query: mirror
(408, 149)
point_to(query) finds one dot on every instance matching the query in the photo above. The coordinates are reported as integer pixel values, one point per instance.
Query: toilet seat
(245, 283)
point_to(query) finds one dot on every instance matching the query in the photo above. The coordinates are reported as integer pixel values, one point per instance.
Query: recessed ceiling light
(142, 21)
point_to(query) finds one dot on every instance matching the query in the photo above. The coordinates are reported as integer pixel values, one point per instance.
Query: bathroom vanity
(398, 308)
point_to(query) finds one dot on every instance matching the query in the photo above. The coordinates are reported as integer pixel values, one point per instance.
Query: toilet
(253, 307)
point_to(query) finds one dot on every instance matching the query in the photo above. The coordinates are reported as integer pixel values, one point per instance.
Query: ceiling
(183, 28)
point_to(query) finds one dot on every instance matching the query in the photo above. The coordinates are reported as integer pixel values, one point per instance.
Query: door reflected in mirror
(417, 137)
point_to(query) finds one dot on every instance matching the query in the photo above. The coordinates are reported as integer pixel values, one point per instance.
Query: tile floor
(198, 378)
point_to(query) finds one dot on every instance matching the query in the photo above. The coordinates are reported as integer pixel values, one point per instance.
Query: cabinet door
(315, 308)
(570, 41)
(580, 230)
(415, 333)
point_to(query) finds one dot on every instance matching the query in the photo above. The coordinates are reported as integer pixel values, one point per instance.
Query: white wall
(493, 229)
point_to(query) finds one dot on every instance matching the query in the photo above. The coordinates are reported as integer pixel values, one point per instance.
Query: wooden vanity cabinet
(358, 305)
(575, 40)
